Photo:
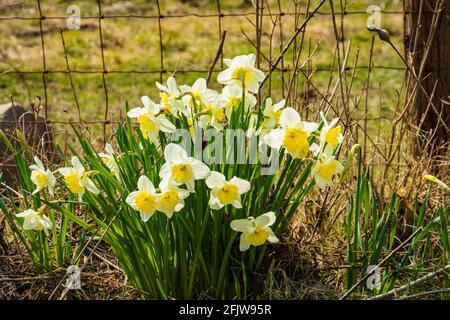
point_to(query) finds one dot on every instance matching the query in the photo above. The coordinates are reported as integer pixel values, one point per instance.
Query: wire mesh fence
(85, 58)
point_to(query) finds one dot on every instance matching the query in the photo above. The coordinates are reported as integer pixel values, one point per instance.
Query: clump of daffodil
(145, 199)
(41, 177)
(241, 71)
(171, 198)
(109, 160)
(150, 120)
(77, 179)
(325, 169)
(225, 192)
(36, 220)
(181, 169)
(293, 134)
(255, 232)
(435, 180)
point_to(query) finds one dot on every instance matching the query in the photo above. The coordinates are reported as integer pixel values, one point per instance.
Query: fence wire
(100, 18)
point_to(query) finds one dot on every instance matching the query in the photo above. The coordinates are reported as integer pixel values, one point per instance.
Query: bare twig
(396, 291)
(217, 56)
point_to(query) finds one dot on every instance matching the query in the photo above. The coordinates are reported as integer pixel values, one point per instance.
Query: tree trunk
(432, 132)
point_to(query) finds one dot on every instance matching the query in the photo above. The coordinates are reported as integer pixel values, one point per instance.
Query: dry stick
(425, 293)
(161, 48)
(104, 71)
(220, 15)
(70, 76)
(281, 46)
(345, 295)
(366, 106)
(341, 74)
(291, 40)
(296, 57)
(44, 64)
(272, 31)
(396, 291)
(217, 56)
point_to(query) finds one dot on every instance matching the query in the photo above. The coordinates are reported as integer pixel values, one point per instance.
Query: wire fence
(262, 11)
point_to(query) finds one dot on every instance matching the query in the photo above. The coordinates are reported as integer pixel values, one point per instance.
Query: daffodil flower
(150, 121)
(255, 232)
(35, 220)
(231, 97)
(41, 177)
(77, 180)
(272, 113)
(109, 160)
(200, 92)
(213, 114)
(330, 136)
(325, 169)
(181, 169)
(171, 198)
(225, 192)
(170, 95)
(241, 70)
(293, 134)
(145, 200)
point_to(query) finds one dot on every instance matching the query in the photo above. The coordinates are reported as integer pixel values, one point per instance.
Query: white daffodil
(200, 92)
(145, 200)
(272, 113)
(170, 95)
(325, 169)
(109, 160)
(171, 198)
(255, 232)
(77, 180)
(150, 121)
(41, 177)
(181, 169)
(330, 135)
(35, 220)
(212, 114)
(293, 134)
(225, 192)
(232, 98)
(241, 70)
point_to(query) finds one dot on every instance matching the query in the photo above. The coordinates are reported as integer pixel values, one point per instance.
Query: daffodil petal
(243, 244)
(289, 118)
(241, 225)
(215, 179)
(144, 184)
(274, 138)
(242, 185)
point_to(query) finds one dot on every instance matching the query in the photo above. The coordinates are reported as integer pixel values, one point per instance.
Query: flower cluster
(278, 126)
